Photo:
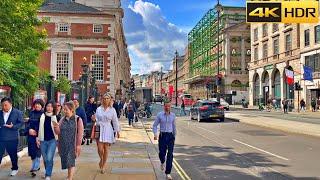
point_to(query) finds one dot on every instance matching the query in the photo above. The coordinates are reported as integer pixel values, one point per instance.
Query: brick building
(78, 29)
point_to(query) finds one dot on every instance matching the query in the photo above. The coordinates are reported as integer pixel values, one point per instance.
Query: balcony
(288, 53)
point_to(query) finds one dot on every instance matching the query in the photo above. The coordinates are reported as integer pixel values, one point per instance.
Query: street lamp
(176, 58)
(85, 76)
(51, 88)
(219, 9)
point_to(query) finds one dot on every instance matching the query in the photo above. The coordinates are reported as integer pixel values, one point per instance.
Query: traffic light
(219, 80)
(297, 86)
(132, 85)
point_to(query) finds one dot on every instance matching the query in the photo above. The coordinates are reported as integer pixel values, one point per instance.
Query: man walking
(285, 105)
(183, 108)
(90, 109)
(167, 121)
(11, 120)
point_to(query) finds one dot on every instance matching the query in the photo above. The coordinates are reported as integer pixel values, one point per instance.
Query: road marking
(179, 169)
(280, 157)
(208, 130)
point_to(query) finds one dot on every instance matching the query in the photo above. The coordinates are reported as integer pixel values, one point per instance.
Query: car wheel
(199, 119)
(222, 119)
(191, 116)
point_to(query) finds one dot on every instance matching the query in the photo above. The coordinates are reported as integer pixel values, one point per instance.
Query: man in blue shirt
(167, 121)
(11, 120)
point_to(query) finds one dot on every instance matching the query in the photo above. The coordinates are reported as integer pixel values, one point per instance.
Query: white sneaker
(169, 177)
(47, 178)
(162, 167)
(14, 172)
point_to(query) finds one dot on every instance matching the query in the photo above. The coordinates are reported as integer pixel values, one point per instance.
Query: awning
(198, 78)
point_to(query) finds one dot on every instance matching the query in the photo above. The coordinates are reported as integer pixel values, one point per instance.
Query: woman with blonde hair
(70, 133)
(106, 114)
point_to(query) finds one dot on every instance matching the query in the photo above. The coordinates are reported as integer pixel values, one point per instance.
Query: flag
(289, 77)
(307, 73)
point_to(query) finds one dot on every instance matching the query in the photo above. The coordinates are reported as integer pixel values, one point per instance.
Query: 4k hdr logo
(283, 11)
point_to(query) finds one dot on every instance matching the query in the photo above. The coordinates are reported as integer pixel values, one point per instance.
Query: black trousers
(166, 145)
(12, 149)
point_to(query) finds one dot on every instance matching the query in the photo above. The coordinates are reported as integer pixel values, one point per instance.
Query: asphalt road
(231, 150)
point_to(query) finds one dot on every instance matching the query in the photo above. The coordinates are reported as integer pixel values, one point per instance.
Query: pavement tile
(132, 171)
(130, 160)
(137, 177)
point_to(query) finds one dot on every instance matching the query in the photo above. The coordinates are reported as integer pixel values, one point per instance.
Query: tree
(63, 85)
(21, 43)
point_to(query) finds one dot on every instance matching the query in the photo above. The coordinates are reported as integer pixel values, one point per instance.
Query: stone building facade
(90, 29)
(275, 47)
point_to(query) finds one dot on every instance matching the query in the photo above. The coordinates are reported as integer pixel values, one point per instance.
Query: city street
(232, 150)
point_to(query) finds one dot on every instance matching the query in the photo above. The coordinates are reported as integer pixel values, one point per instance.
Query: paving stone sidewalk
(131, 157)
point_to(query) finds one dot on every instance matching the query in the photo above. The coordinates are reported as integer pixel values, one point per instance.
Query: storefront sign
(40, 94)
(268, 67)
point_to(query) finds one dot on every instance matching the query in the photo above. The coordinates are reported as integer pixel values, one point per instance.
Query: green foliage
(63, 85)
(20, 46)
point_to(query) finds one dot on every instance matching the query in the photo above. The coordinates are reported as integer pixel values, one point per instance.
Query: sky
(155, 29)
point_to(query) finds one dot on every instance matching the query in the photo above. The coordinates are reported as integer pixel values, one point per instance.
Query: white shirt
(6, 115)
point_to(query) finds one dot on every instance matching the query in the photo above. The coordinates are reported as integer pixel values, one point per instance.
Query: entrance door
(265, 94)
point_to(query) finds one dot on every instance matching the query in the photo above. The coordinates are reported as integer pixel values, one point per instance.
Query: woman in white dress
(106, 114)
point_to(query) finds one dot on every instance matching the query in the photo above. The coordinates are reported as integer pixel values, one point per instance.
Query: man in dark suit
(11, 120)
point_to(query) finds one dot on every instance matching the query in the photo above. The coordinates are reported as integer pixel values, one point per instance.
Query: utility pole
(176, 58)
(161, 82)
(218, 8)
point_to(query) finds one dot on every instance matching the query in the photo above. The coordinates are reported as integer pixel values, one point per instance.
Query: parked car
(188, 101)
(157, 98)
(207, 109)
(223, 103)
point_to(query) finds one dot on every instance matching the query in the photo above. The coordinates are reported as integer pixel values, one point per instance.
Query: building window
(288, 44)
(97, 28)
(317, 34)
(307, 37)
(265, 50)
(276, 46)
(265, 30)
(255, 56)
(275, 27)
(62, 65)
(97, 62)
(255, 34)
(63, 27)
(313, 62)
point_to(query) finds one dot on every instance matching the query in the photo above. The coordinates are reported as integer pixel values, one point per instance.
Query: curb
(21, 153)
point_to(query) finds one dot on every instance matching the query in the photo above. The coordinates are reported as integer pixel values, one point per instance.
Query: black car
(157, 98)
(206, 109)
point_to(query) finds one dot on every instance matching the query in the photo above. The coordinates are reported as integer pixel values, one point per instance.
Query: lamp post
(51, 88)
(161, 83)
(218, 8)
(176, 59)
(85, 77)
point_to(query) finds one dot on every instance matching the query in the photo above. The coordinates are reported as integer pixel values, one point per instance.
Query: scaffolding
(203, 43)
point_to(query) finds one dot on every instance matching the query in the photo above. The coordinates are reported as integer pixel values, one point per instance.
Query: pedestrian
(82, 114)
(125, 108)
(318, 102)
(285, 105)
(274, 103)
(117, 107)
(302, 105)
(11, 120)
(167, 121)
(47, 138)
(70, 133)
(33, 129)
(90, 109)
(104, 116)
(183, 107)
(131, 108)
(59, 112)
(313, 105)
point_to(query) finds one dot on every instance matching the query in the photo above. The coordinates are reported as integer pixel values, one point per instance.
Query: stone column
(243, 54)
(282, 87)
(227, 53)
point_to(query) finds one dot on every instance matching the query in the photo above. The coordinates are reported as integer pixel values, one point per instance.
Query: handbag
(95, 133)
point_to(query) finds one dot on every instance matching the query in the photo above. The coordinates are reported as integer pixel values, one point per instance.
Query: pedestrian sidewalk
(131, 157)
(278, 123)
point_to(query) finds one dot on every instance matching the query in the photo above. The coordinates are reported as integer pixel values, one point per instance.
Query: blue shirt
(167, 123)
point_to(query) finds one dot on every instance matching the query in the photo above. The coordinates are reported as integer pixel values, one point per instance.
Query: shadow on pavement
(212, 162)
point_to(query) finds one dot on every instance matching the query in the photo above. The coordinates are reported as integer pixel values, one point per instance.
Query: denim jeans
(35, 163)
(48, 149)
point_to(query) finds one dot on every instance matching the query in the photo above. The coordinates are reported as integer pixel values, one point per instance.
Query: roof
(66, 6)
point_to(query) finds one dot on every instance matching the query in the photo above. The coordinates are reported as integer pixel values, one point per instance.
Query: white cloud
(152, 40)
